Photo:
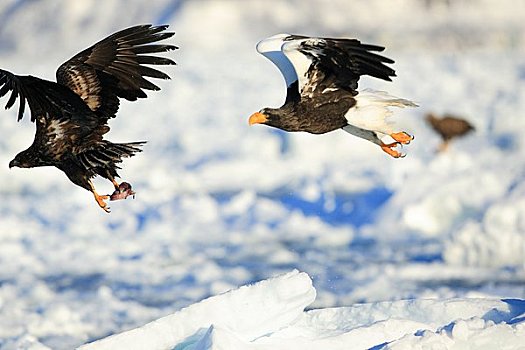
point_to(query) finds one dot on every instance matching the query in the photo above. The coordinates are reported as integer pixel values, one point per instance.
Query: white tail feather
(372, 109)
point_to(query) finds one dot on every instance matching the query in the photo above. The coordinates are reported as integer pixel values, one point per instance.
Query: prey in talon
(122, 191)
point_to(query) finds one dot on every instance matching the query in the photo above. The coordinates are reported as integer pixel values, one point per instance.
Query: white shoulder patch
(271, 48)
(300, 62)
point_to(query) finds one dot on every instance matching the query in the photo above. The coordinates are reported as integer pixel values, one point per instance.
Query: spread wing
(323, 64)
(116, 68)
(45, 98)
(63, 120)
(334, 64)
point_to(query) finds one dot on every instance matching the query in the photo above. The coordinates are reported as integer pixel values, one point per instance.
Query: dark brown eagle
(321, 75)
(448, 127)
(71, 114)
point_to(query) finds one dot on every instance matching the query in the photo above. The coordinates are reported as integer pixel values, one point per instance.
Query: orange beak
(257, 118)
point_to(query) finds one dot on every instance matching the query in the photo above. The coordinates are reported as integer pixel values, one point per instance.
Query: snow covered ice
(423, 252)
(269, 315)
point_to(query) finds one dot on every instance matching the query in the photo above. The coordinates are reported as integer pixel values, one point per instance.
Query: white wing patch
(300, 62)
(271, 48)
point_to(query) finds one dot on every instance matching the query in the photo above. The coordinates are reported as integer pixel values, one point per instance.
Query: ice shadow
(516, 313)
(199, 340)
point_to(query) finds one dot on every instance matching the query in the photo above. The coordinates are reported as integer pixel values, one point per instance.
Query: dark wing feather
(45, 98)
(336, 63)
(114, 68)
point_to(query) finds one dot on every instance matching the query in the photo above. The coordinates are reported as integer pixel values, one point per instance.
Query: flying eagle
(321, 75)
(449, 127)
(71, 114)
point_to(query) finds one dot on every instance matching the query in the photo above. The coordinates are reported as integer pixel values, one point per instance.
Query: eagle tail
(107, 155)
(372, 110)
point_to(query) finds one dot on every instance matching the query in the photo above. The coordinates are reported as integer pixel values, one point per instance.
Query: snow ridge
(250, 312)
(270, 315)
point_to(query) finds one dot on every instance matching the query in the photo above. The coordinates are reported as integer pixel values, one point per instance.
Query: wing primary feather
(149, 39)
(142, 70)
(153, 48)
(12, 98)
(119, 56)
(4, 90)
(21, 106)
(153, 73)
(153, 60)
(135, 82)
(140, 30)
(128, 32)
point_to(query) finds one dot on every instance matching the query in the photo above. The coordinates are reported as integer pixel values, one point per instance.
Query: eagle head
(269, 116)
(284, 118)
(25, 159)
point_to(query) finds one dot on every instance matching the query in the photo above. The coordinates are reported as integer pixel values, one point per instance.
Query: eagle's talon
(402, 137)
(101, 203)
(388, 148)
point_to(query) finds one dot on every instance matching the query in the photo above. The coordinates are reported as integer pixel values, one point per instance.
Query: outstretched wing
(325, 63)
(62, 118)
(45, 98)
(116, 68)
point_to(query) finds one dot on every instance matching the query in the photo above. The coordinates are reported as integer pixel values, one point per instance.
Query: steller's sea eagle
(448, 127)
(71, 114)
(321, 75)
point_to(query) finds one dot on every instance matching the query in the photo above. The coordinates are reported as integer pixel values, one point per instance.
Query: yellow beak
(257, 118)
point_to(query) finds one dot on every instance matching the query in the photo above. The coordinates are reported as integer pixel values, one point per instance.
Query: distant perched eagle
(448, 127)
(321, 75)
(71, 115)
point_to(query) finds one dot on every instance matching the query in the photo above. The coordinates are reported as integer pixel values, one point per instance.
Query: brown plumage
(71, 115)
(322, 77)
(448, 127)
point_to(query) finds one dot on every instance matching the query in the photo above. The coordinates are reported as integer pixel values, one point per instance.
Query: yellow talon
(402, 137)
(392, 152)
(101, 203)
(100, 199)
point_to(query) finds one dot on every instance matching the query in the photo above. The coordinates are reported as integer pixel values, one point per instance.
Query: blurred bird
(321, 75)
(71, 114)
(448, 127)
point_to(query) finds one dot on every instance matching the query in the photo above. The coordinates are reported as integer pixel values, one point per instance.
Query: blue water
(357, 209)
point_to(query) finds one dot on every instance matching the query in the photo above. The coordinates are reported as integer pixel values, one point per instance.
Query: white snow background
(425, 252)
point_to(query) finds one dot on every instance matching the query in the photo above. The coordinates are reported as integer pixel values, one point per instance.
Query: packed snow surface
(221, 204)
(270, 315)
